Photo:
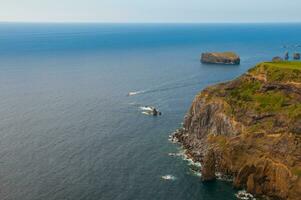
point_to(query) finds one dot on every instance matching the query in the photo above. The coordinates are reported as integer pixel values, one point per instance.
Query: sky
(144, 11)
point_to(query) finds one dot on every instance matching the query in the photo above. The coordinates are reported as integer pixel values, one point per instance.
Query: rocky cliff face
(250, 129)
(220, 58)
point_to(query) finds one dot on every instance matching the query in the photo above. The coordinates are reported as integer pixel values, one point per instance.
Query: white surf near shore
(146, 108)
(244, 195)
(168, 177)
(175, 154)
(195, 167)
(146, 113)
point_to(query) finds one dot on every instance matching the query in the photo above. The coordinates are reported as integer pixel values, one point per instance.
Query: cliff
(250, 129)
(220, 58)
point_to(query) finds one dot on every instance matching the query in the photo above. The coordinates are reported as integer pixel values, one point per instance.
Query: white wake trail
(135, 93)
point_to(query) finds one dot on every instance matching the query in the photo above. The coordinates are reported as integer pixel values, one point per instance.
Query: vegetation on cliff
(250, 128)
(220, 58)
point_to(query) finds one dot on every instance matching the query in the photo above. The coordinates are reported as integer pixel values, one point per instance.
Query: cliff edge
(250, 129)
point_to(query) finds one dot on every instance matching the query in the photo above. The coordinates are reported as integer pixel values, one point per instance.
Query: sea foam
(168, 177)
(244, 195)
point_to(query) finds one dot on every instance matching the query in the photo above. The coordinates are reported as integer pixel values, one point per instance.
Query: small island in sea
(229, 58)
(250, 129)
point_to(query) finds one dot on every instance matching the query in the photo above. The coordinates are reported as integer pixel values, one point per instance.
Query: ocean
(69, 130)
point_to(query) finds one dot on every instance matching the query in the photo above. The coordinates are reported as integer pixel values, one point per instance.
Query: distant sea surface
(68, 130)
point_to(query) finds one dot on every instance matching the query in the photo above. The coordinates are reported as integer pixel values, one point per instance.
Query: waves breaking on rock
(168, 177)
(194, 166)
(244, 195)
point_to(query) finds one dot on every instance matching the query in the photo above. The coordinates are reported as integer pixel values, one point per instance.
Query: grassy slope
(271, 90)
(225, 54)
(248, 95)
(288, 71)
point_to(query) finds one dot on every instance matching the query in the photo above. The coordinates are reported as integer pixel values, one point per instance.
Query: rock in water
(220, 58)
(277, 59)
(208, 169)
(286, 56)
(297, 56)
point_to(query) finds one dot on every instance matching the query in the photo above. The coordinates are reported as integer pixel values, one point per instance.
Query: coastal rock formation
(250, 129)
(286, 56)
(220, 58)
(208, 170)
(277, 59)
(297, 56)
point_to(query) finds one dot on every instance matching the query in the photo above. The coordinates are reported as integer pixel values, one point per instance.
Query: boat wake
(135, 93)
(170, 86)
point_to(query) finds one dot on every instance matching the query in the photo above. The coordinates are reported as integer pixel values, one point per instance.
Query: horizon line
(167, 22)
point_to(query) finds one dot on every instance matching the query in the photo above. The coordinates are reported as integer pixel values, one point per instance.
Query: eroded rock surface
(297, 56)
(250, 129)
(277, 59)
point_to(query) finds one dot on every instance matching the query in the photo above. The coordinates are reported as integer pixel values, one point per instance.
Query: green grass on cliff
(293, 65)
(248, 93)
(270, 101)
(285, 64)
(279, 71)
(297, 171)
(247, 96)
(265, 97)
(225, 54)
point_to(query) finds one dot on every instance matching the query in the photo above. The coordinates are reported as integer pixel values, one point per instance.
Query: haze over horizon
(157, 11)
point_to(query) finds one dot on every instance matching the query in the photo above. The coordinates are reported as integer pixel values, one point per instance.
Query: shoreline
(184, 153)
(237, 131)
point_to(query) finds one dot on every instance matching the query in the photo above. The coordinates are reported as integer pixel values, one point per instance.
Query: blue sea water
(68, 130)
